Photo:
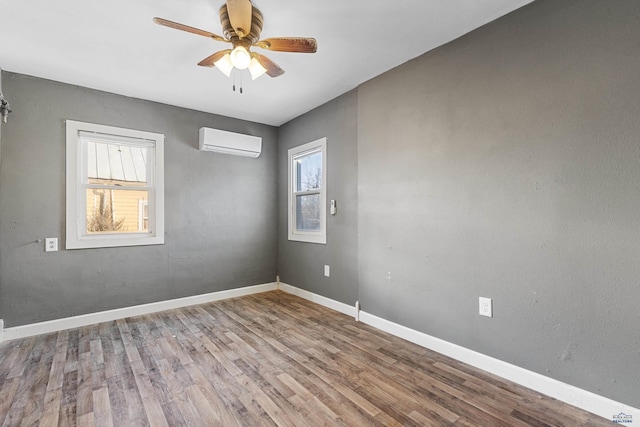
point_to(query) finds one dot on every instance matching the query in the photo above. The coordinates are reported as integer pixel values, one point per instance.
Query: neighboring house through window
(143, 215)
(307, 192)
(115, 186)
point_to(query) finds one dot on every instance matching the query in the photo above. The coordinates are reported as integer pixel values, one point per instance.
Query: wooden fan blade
(188, 29)
(273, 69)
(240, 16)
(289, 44)
(210, 60)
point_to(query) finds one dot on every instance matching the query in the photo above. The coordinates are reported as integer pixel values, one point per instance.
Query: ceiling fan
(241, 26)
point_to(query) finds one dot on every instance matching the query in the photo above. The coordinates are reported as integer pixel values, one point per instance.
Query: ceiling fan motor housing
(256, 27)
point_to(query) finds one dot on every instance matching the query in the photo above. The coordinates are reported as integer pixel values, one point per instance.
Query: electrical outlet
(326, 270)
(486, 307)
(51, 244)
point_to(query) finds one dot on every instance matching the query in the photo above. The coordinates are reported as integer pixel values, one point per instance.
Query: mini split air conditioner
(237, 144)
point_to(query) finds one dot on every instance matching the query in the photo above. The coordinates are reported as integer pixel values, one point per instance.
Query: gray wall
(1, 123)
(220, 210)
(505, 164)
(302, 264)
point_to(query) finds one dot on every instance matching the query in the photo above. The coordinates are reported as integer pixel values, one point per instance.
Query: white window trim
(76, 197)
(308, 236)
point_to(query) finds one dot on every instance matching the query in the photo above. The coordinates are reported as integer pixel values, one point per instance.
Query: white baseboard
(319, 299)
(120, 313)
(596, 404)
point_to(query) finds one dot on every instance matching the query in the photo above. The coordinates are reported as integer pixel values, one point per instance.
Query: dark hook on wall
(5, 108)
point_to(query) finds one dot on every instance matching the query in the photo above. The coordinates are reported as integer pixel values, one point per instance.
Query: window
(115, 186)
(308, 192)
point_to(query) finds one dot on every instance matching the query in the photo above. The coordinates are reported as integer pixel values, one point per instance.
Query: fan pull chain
(234, 81)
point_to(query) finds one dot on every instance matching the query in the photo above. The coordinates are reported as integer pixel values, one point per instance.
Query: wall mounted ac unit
(221, 141)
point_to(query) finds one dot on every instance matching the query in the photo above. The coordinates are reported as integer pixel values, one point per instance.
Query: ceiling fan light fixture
(224, 65)
(241, 25)
(256, 69)
(240, 57)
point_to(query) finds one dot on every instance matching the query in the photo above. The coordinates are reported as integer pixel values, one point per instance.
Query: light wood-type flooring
(262, 360)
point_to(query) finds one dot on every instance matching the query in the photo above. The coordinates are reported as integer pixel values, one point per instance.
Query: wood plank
(7, 397)
(86, 420)
(29, 399)
(152, 407)
(85, 388)
(68, 410)
(102, 408)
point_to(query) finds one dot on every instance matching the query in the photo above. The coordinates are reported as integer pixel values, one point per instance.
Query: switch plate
(326, 270)
(486, 307)
(334, 208)
(51, 244)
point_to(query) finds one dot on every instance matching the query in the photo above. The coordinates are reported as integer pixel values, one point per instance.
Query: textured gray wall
(302, 264)
(1, 124)
(220, 213)
(507, 165)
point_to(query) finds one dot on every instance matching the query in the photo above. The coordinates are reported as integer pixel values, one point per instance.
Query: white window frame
(294, 153)
(76, 215)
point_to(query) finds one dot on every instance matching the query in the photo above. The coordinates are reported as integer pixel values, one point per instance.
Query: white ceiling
(113, 45)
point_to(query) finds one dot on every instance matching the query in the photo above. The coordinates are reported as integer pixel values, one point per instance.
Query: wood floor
(262, 360)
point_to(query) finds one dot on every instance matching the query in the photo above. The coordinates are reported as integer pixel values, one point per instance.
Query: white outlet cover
(327, 270)
(485, 307)
(51, 244)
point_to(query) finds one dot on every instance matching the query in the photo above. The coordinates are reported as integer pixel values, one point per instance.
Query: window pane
(116, 211)
(308, 212)
(308, 172)
(116, 164)
(143, 215)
